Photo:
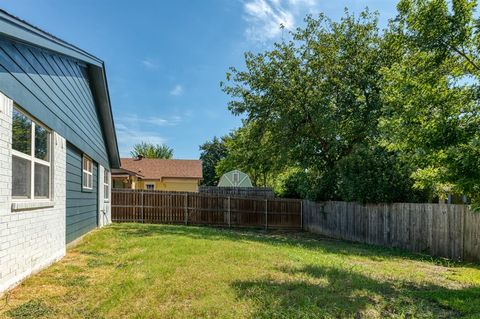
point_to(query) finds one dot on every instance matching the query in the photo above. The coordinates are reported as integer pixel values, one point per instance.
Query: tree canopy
(431, 95)
(318, 94)
(344, 110)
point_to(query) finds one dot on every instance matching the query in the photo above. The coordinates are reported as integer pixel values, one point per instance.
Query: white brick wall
(30, 239)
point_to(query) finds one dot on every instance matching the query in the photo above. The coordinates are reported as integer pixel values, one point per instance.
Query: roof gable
(15, 29)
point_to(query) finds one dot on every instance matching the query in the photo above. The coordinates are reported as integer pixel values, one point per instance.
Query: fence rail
(205, 209)
(442, 230)
(263, 192)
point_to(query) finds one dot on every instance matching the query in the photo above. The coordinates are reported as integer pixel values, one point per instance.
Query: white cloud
(177, 90)
(306, 3)
(128, 136)
(139, 121)
(159, 121)
(264, 17)
(149, 63)
(132, 129)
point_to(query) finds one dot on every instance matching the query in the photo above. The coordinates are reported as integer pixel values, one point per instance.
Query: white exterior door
(104, 197)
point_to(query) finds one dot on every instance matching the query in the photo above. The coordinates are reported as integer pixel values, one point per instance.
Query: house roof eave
(21, 31)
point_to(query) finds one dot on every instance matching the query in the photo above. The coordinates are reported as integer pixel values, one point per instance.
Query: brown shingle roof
(151, 168)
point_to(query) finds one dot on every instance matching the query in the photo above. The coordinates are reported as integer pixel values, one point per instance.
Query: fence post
(143, 209)
(186, 209)
(266, 214)
(301, 214)
(229, 216)
(464, 219)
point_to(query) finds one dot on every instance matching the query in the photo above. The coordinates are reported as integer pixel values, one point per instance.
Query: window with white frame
(150, 186)
(31, 158)
(87, 176)
(106, 185)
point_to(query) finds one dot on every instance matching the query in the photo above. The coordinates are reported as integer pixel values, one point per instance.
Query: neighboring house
(158, 174)
(57, 146)
(123, 178)
(235, 178)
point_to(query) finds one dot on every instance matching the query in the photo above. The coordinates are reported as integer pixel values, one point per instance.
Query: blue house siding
(81, 206)
(54, 89)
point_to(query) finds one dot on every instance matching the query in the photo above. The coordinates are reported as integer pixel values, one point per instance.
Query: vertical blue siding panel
(82, 207)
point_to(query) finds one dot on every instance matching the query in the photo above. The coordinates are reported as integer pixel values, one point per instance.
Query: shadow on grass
(298, 239)
(323, 292)
(336, 292)
(32, 309)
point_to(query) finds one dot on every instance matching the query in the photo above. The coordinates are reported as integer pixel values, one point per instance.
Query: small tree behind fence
(205, 209)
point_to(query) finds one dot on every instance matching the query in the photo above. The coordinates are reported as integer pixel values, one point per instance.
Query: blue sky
(165, 59)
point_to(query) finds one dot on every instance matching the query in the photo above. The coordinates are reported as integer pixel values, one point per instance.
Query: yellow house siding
(170, 184)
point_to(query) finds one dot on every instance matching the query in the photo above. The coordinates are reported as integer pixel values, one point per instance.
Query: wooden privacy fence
(442, 230)
(204, 209)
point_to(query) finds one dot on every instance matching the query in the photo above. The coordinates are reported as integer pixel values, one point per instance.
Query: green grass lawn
(150, 271)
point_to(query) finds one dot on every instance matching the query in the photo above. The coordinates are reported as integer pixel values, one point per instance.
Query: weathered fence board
(471, 241)
(442, 230)
(147, 206)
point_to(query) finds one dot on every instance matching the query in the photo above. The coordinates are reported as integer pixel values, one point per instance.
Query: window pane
(87, 164)
(87, 180)
(41, 143)
(22, 133)
(21, 173)
(42, 178)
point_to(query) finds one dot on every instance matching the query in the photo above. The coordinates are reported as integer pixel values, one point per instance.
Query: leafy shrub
(292, 183)
(374, 175)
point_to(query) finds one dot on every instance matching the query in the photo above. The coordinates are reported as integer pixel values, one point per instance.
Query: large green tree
(149, 150)
(318, 95)
(343, 111)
